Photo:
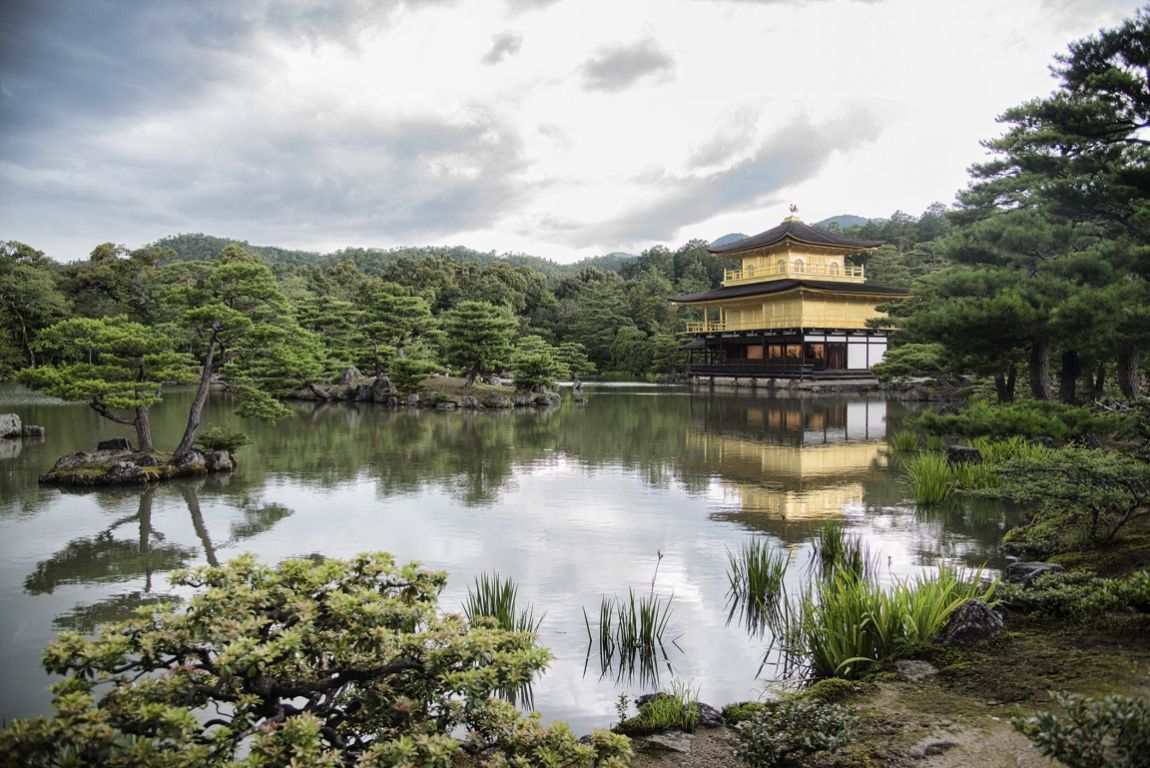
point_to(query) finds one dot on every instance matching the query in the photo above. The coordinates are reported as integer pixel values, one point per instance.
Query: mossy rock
(741, 711)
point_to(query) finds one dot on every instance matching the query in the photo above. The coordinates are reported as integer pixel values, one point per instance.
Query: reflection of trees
(85, 618)
(104, 557)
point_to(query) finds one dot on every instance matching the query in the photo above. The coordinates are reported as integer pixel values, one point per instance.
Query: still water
(574, 503)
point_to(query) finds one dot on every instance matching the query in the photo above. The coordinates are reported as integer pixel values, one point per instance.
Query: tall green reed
(931, 477)
(755, 574)
(844, 624)
(495, 597)
(832, 549)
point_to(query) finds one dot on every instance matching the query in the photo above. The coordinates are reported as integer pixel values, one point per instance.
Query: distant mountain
(844, 222)
(199, 247)
(733, 237)
(373, 261)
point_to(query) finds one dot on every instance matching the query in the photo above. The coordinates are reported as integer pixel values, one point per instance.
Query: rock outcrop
(127, 467)
(354, 387)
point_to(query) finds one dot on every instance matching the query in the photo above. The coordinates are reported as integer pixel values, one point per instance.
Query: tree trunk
(1068, 377)
(1004, 384)
(1040, 369)
(192, 499)
(1098, 381)
(143, 426)
(197, 408)
(1129, 375)
(145, 515)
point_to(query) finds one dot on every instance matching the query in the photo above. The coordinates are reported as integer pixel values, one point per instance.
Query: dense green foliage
(1030, 419)
(1084, 496)
(1107, 732)
(780, 733)
(312, 663)
(1076, 593)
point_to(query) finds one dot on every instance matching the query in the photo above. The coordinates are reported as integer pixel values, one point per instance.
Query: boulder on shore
(972, 622)
(10, 425)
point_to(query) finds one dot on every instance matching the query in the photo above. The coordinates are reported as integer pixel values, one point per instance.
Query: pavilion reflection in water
(795, 463)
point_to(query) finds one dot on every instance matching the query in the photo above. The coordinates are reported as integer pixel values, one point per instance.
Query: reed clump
(843, 624)
(494, 597)
(755, 574)
(905, 441)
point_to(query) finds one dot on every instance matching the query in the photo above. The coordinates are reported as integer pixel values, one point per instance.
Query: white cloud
(605, 125)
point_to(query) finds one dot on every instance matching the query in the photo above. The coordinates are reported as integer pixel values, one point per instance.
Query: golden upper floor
(794, 250)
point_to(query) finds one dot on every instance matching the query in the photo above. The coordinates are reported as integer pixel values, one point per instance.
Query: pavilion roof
(779, 286)
(797, 231)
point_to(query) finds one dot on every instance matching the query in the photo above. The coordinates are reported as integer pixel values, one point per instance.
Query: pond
(586, 500)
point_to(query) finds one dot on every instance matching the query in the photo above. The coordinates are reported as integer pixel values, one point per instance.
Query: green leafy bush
(1090, 494)
(321, 663)
(1109, 732)
(1078, 594)
(739, 712)
(407, 374)
(215, 439)
(780, 733)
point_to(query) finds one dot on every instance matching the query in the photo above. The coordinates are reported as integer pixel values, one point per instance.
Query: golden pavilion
(793, 309)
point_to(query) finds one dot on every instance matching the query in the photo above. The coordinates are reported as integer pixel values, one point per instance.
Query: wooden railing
(848, 274)
(715, 326)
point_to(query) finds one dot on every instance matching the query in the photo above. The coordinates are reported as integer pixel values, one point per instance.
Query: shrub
(408, 374)
(326, 663)
(1078, 594)
(791, 728)
(215, 439)
(1057, 421)
(733, 714)
(1110, 732)
(1092, 494)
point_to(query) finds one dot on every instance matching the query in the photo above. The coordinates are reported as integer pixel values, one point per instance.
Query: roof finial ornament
(794, 208)
(794, 214)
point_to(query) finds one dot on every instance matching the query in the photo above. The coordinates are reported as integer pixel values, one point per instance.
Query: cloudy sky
(561, 128)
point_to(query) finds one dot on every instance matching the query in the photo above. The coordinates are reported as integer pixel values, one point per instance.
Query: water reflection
(572, 503)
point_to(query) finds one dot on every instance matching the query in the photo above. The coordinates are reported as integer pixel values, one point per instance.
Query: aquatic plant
(844, 624)
(495, 597)
(931, 477)
(629, 633)
(832, 549)
(905, 441)
(755, 574)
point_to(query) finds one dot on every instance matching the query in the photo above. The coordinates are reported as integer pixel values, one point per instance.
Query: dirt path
(965, 708)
